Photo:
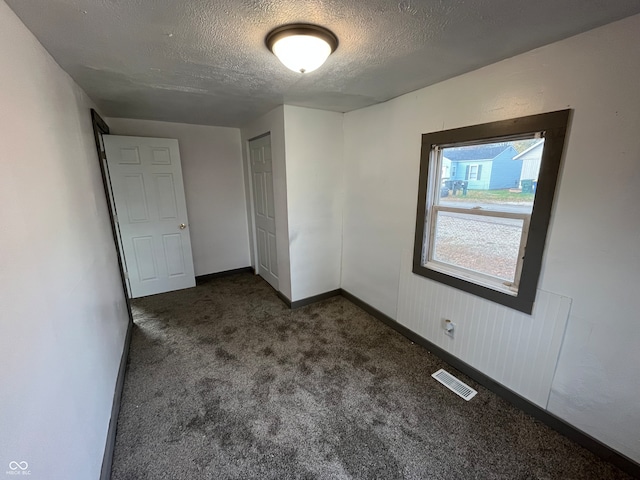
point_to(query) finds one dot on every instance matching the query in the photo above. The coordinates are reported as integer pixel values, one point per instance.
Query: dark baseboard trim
(107, 459)
(587, 441)
(200, 279)
(316, 298)
(282, 297)
(309, 300)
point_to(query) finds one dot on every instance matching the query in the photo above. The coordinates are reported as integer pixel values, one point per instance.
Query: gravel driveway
(479, 244)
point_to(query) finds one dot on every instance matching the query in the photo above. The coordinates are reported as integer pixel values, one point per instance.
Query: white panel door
(151, 212)
(264, 209)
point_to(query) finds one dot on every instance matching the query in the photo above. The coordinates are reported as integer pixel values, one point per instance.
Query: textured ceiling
(205, 62)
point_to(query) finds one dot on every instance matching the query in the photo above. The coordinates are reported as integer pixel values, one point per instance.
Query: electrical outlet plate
(449, 328)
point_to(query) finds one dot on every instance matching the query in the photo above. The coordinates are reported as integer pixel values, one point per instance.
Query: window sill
(479, 279)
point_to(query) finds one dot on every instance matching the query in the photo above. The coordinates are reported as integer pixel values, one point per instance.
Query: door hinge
(115, 218)
(126, 275)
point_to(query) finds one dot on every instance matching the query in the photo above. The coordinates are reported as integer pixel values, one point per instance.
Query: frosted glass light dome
(302, 48)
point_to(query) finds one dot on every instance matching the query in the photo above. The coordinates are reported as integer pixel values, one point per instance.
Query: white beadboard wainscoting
(519, 351)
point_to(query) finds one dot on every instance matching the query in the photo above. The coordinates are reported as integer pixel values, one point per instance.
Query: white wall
(273, 123)
(306, 149)
(63, 315)
(313, 145)
(592, 256)
(214, 189)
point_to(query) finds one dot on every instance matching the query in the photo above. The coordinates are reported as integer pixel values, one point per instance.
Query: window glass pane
(499, 176)
(488, 245)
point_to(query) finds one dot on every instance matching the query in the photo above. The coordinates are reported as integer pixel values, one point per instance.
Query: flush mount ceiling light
(302, 47)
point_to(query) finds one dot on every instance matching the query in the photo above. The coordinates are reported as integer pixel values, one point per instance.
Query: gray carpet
(224, 382)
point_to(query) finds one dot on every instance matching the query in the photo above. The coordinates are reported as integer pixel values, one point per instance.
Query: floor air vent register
(455, 385)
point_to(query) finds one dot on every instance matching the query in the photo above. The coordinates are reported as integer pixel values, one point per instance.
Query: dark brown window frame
(554, 125)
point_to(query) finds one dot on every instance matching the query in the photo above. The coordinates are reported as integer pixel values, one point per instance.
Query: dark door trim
(101, 128)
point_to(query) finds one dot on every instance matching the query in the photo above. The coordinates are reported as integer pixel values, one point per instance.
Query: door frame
(100, 128)
(252, 212)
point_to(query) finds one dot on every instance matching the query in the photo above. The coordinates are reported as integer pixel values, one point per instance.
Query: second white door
(151, 212)
(264, 209)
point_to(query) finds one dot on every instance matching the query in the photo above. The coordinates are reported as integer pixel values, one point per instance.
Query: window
(487, 237)
(474, 172)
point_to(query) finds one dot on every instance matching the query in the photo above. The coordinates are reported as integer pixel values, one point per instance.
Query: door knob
(183, 226)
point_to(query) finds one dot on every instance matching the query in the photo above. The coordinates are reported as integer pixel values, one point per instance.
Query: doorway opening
(144, 188)
(101, 128)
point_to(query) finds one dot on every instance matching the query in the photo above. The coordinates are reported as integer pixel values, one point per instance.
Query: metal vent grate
(455, 385)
